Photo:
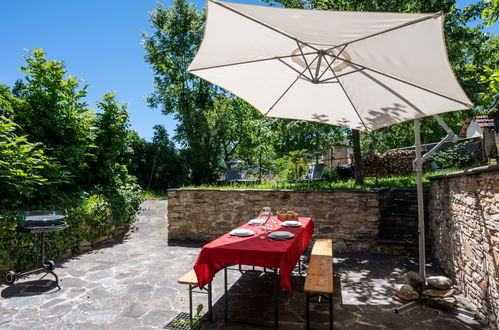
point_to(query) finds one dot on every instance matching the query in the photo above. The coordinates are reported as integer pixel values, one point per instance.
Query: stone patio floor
(133, 285)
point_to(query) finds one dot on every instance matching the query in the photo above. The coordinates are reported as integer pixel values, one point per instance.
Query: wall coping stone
(476, 170)
(276, 190)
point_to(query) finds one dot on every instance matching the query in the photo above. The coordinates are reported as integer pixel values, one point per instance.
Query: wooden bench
(190, 279)
(319, 281)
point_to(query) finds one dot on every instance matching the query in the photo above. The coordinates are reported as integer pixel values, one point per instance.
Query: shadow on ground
(30, 288)
(362, 300)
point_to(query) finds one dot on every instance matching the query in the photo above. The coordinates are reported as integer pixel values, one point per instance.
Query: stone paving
(133, 285)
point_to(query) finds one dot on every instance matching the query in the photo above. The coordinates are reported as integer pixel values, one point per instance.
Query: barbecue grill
(39, 223)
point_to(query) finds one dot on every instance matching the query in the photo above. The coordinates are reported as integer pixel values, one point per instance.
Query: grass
(150, 194)
(369, 183)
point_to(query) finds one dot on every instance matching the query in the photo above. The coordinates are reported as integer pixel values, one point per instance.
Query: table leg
(210, 304)
(276, 298)
(226, 295)
(307, 308)
(190, 305)
(331, 312)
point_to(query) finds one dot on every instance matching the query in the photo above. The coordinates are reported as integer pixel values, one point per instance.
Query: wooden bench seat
(320, 269)
(319, 281)
(191, 280)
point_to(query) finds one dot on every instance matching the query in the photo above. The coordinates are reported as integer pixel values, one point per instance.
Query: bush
(345, 172)
(458, 156)
(90, 216)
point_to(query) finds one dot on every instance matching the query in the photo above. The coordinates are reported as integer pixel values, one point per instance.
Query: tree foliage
(53, 112)
(169, 50)
(157, 165)
(24, 167)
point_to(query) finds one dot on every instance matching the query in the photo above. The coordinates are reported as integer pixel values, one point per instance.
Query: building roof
(482, 121)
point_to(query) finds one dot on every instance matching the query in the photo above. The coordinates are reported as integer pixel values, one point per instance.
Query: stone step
(384, 227)
(398, 242)
(391, 213)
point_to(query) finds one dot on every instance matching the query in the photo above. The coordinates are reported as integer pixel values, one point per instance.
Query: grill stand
(49, 266)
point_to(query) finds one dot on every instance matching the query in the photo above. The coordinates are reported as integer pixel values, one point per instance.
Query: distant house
(486, 128)
(339, 154)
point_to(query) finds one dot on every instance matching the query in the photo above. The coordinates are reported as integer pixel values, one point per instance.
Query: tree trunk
(357, 155)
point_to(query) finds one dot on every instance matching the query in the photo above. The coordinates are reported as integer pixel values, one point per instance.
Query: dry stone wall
(464, 225)
(351, 219)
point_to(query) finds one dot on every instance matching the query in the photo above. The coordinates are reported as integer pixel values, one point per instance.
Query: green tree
(169, 50)
(111, 142)
(24, 167)
(491, 13)
(158, 165)
(7, 101)
(54, 113)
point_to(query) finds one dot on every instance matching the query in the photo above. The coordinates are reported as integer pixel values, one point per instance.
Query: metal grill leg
(42, 248)
(210, 307)
(226, 300)
(190, 304)
(307, 307)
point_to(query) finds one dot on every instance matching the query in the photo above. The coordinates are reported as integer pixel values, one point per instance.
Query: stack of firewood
(390, 163)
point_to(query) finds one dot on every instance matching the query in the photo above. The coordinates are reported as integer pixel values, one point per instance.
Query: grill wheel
(10, 277)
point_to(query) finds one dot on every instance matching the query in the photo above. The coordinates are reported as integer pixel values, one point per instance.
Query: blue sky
(99, 40)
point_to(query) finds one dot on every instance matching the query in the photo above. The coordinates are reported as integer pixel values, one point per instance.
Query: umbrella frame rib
(422, 19)
(261, 23)
(406, 82)
(289, 87)
(350, 100)
(247, 62)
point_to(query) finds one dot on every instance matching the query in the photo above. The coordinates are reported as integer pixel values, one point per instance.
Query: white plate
(242, 232)
(257, 222)
(281, 235)
(291, 223)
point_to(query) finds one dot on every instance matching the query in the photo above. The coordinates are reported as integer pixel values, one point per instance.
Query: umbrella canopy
(360, 70)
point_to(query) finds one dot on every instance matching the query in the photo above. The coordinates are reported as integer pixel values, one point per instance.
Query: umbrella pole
(418, 164)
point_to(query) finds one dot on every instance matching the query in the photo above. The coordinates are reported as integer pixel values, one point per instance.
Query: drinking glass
(265, 215)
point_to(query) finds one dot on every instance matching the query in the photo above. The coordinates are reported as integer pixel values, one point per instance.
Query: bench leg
(226, 300)
(190, 304)
(276, 298)
(210, 307)
(307, 308)
(330, 312)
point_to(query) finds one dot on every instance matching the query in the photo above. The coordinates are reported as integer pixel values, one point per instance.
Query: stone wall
(350, 218)
(464, 225)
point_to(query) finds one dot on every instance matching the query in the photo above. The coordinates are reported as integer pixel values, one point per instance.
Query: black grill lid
(39, 218)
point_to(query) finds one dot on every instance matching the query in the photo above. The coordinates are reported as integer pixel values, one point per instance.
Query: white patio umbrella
(359, 70)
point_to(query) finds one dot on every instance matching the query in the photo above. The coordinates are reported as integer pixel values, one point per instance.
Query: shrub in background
(458, 156)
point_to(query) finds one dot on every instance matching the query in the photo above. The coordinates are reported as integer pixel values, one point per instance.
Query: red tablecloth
(254, 251)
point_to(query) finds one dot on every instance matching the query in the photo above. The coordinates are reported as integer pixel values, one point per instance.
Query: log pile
(390, 163)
